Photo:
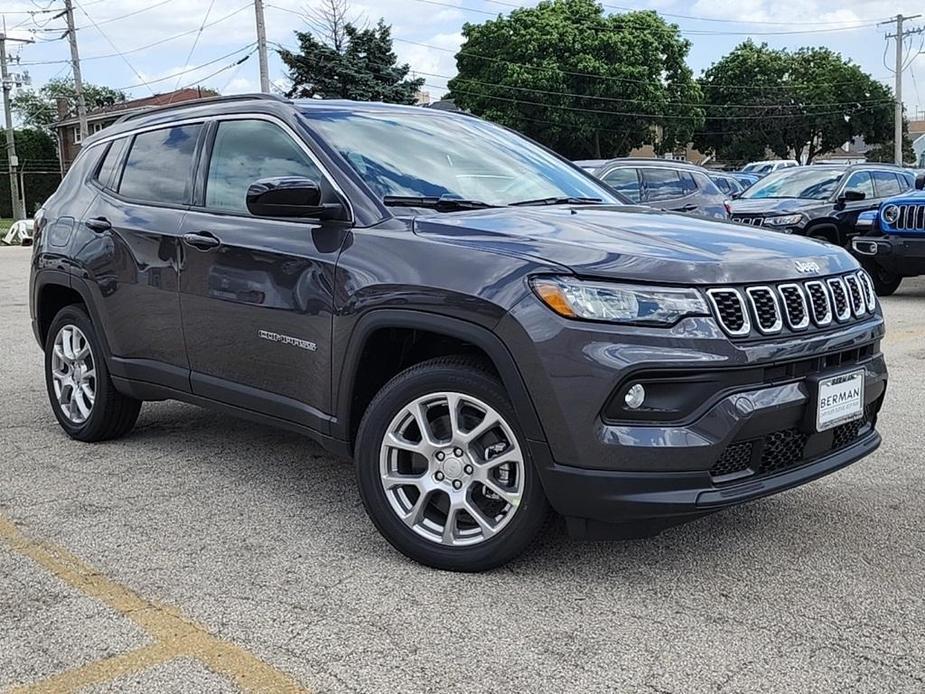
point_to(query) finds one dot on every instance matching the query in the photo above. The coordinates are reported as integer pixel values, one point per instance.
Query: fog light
(635, 396)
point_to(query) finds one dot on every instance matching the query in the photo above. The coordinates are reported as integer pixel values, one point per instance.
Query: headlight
(618, 303)
(890, 214)
(787, 220)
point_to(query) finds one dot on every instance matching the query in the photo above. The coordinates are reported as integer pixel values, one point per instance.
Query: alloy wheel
(73, 371)
(452, 469)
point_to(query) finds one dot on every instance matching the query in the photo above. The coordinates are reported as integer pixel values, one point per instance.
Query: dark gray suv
(485, 328)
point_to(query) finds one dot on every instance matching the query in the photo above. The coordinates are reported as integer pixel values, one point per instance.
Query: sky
(154, 46)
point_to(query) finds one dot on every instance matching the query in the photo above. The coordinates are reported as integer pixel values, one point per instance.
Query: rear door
(257, 293)
(145, 182)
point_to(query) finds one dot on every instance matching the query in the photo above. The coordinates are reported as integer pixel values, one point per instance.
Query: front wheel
(885, 282)
(443, 469)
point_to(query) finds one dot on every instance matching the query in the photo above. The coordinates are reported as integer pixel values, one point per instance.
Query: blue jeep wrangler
(891, 240)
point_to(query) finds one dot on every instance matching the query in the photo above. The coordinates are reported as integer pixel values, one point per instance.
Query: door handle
(98, 224)
(202, 240)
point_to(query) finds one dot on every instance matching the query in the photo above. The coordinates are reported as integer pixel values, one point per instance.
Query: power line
(196, 40)
(691, 32)
(189, 70)
(114, 47)
(628, 80)
(140, 49)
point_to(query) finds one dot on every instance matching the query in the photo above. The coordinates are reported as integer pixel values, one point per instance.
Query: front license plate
(841, 399)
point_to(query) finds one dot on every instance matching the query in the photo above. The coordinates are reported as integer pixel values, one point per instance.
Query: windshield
(811, 184)
(432, 155)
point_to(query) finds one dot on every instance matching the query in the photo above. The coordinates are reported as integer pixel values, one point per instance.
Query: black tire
(445, 374)
(885, 282)
(112, 414)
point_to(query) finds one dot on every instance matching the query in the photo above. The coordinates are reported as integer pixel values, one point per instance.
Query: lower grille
(780, 450)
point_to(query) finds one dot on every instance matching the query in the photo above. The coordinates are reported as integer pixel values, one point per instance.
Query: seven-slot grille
(911, 217)
(795, 305)
(750, 221)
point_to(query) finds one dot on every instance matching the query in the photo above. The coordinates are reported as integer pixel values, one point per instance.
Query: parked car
(818, 201)
(590, 165)
(665, 184)
(731, 186)
(747, 179)
(763, 168)
(20, 233)
(891, 241)
(486, 330)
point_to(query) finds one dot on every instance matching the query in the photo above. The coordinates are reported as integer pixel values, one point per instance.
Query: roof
(122, 107)
(649, 161)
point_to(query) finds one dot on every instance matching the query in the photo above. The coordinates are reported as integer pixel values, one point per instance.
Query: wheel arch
(828, 228)
(468, 335)
(53, 291)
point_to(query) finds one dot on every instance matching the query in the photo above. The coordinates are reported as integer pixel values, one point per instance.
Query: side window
(246, 150)
(906, 182)
(159, 167)
(111, 159)
(886, 183)
(861, 180)
(662, 184)
(724, 185)
(624, 180)
(690, 183)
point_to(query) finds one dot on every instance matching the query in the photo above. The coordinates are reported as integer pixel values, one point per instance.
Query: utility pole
(12, 160)
(898, 75)
(261, 47)
(75, 68)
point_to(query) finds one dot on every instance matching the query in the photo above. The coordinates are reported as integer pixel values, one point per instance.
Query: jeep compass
(488, 331)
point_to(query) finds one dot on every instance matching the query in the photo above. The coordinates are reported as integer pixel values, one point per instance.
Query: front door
(256, 294)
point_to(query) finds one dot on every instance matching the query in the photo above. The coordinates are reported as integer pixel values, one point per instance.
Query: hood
(769, 206)
(635, 243)
(914, 196)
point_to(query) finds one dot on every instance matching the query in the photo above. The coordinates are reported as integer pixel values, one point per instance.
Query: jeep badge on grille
(806, 267)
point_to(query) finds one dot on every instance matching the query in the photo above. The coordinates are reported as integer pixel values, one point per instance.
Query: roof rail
(147, 110)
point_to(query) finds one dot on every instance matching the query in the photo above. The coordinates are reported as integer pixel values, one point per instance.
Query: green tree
(883, 150)
(39, 109)
(349, 62)
(804, 102)
(581, 82)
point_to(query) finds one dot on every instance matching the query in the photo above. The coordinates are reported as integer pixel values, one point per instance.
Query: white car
(20, 233)
(763, 168)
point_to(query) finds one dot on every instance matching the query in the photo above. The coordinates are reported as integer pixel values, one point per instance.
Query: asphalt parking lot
(207, 554)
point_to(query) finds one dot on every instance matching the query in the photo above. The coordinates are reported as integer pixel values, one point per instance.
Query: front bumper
(598, 504)
(898, 254)
(738, 443)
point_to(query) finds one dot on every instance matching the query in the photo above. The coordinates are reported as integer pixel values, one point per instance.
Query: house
(67, 129)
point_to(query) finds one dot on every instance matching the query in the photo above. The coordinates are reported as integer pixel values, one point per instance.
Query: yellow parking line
(174, 634)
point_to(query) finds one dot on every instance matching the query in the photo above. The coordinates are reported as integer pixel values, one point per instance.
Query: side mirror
(852, 195)
(920, 182)
(287, 196)
(736, 195)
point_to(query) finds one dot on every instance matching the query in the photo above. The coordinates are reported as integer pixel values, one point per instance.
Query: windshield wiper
(444, 203)
(556, 201)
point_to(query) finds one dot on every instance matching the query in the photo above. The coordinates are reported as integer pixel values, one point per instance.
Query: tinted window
(861, 180)
(886, 183)
(247, 150)
(110, 161)
(724, 185)
(159, 167)
(625, 181)
(690, 183)
(662, 184)
(813, 183)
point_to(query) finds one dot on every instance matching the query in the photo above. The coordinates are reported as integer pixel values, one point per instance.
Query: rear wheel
(443, 470)
(83, 397)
